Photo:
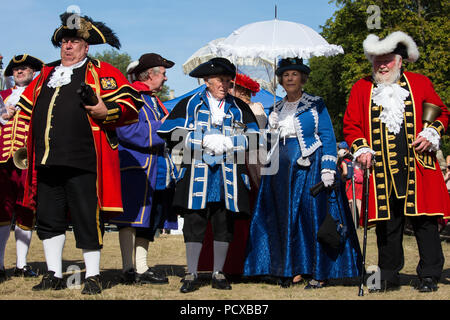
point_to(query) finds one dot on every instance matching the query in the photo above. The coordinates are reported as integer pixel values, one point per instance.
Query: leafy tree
(115, 58)
(121, 62)
(425, 21)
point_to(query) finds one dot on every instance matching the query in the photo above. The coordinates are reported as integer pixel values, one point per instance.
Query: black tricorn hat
(93, 32)
(147, 61)
(23, 60)
(215, 66)
(291, 64)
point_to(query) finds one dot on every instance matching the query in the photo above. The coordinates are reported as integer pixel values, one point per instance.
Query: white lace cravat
(286, 118)
(216, 107)
(392, 98)
(15, 96)
(62, 74)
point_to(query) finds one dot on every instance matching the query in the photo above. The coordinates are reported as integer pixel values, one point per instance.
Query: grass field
(167, 254)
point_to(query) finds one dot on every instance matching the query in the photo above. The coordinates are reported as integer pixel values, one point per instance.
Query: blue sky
(174, 29)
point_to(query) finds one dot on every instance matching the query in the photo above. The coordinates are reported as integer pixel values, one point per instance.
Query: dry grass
(167, 253)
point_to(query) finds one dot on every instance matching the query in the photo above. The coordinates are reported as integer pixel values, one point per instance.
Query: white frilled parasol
(273, 39)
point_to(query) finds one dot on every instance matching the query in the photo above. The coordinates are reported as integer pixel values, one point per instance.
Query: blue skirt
(282, 240)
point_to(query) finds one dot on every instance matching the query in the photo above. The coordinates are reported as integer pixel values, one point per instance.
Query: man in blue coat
(147, 172)
(213, 129)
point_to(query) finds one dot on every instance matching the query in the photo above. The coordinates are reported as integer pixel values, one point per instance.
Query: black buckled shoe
(3, 276)
(25, 272)
(92, 285)
(49, 282)
(151, 277)
(385, 286)
(128, 277)
(190, 283)
(219, 281)
(427, 285)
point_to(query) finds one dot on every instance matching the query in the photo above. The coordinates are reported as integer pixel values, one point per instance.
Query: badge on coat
(108, 83)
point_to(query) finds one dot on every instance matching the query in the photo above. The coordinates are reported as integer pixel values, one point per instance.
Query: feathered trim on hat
(93, 32)
(23, 59)
(247, 82)
(397, 42)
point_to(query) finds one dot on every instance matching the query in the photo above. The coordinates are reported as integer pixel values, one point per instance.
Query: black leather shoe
(219, 281)
(385, 286)
(151, 277)
(314, 284)
(3, 276)
(92, 285)
(190, 283)
(128, 277)
(49, 282)
(25, 272)
(427, 285)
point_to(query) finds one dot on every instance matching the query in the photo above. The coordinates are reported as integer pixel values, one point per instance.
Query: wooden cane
(366, 217)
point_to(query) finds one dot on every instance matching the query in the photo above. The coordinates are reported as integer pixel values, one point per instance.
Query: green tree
(115, 58)
(121, 62)
(425, 21)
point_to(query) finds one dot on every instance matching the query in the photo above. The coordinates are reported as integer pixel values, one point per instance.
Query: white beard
(391, 77)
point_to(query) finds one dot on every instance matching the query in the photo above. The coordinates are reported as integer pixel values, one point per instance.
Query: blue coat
(145, 166)
(203, 177)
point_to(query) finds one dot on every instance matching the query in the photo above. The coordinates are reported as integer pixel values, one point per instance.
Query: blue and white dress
(283, 232)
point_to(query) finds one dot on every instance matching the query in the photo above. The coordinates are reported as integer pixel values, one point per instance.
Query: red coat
(113, 87)
(14, 133)
(426, 191)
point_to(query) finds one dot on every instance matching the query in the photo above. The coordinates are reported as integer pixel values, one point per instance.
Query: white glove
(217, 143)
(327, 178)
(227, 144)
(273, 120)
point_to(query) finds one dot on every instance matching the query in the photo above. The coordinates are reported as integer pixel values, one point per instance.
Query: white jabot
(286, 118)
(62, 74)
(216, 108)
(15, 95)
(392, 98)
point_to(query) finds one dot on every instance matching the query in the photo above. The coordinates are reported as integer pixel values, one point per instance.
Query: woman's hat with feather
(93, 32)
(397, 42)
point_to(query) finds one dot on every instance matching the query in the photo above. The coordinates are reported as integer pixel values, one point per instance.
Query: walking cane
(366, 217)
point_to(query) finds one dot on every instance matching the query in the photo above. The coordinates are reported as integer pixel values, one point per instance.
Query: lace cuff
(432, 136)
(361, 151)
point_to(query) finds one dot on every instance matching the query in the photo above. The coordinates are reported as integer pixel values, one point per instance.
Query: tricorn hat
(247, 82)
(147, 61)
(93, 32)
(215, 66)
(397, 42)
(23, 60)
(291, 64)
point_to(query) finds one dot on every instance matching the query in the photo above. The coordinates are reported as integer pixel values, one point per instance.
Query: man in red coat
(73, 163)
(383, 125)
(13, 135)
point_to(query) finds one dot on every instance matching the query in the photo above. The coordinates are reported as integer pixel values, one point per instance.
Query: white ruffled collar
(62, 74)
(217, 109)
(392, 98)
(15, 95)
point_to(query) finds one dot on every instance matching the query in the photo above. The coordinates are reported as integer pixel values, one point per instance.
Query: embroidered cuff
(432, 136)
(114, 112)
(328, 163)
(361, 151)
(439, 127)
(359, 143)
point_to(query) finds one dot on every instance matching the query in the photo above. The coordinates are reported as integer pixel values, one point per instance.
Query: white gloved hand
(227, 144)
(273, 120)
(327, 178)
(217, 143)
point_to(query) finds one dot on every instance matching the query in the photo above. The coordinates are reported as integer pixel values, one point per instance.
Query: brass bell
(430, 113)
(20, 158)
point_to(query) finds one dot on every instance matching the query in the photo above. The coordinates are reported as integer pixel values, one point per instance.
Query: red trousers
(11, 195)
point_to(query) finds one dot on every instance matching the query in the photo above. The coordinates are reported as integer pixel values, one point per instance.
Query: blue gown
(287, 217)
